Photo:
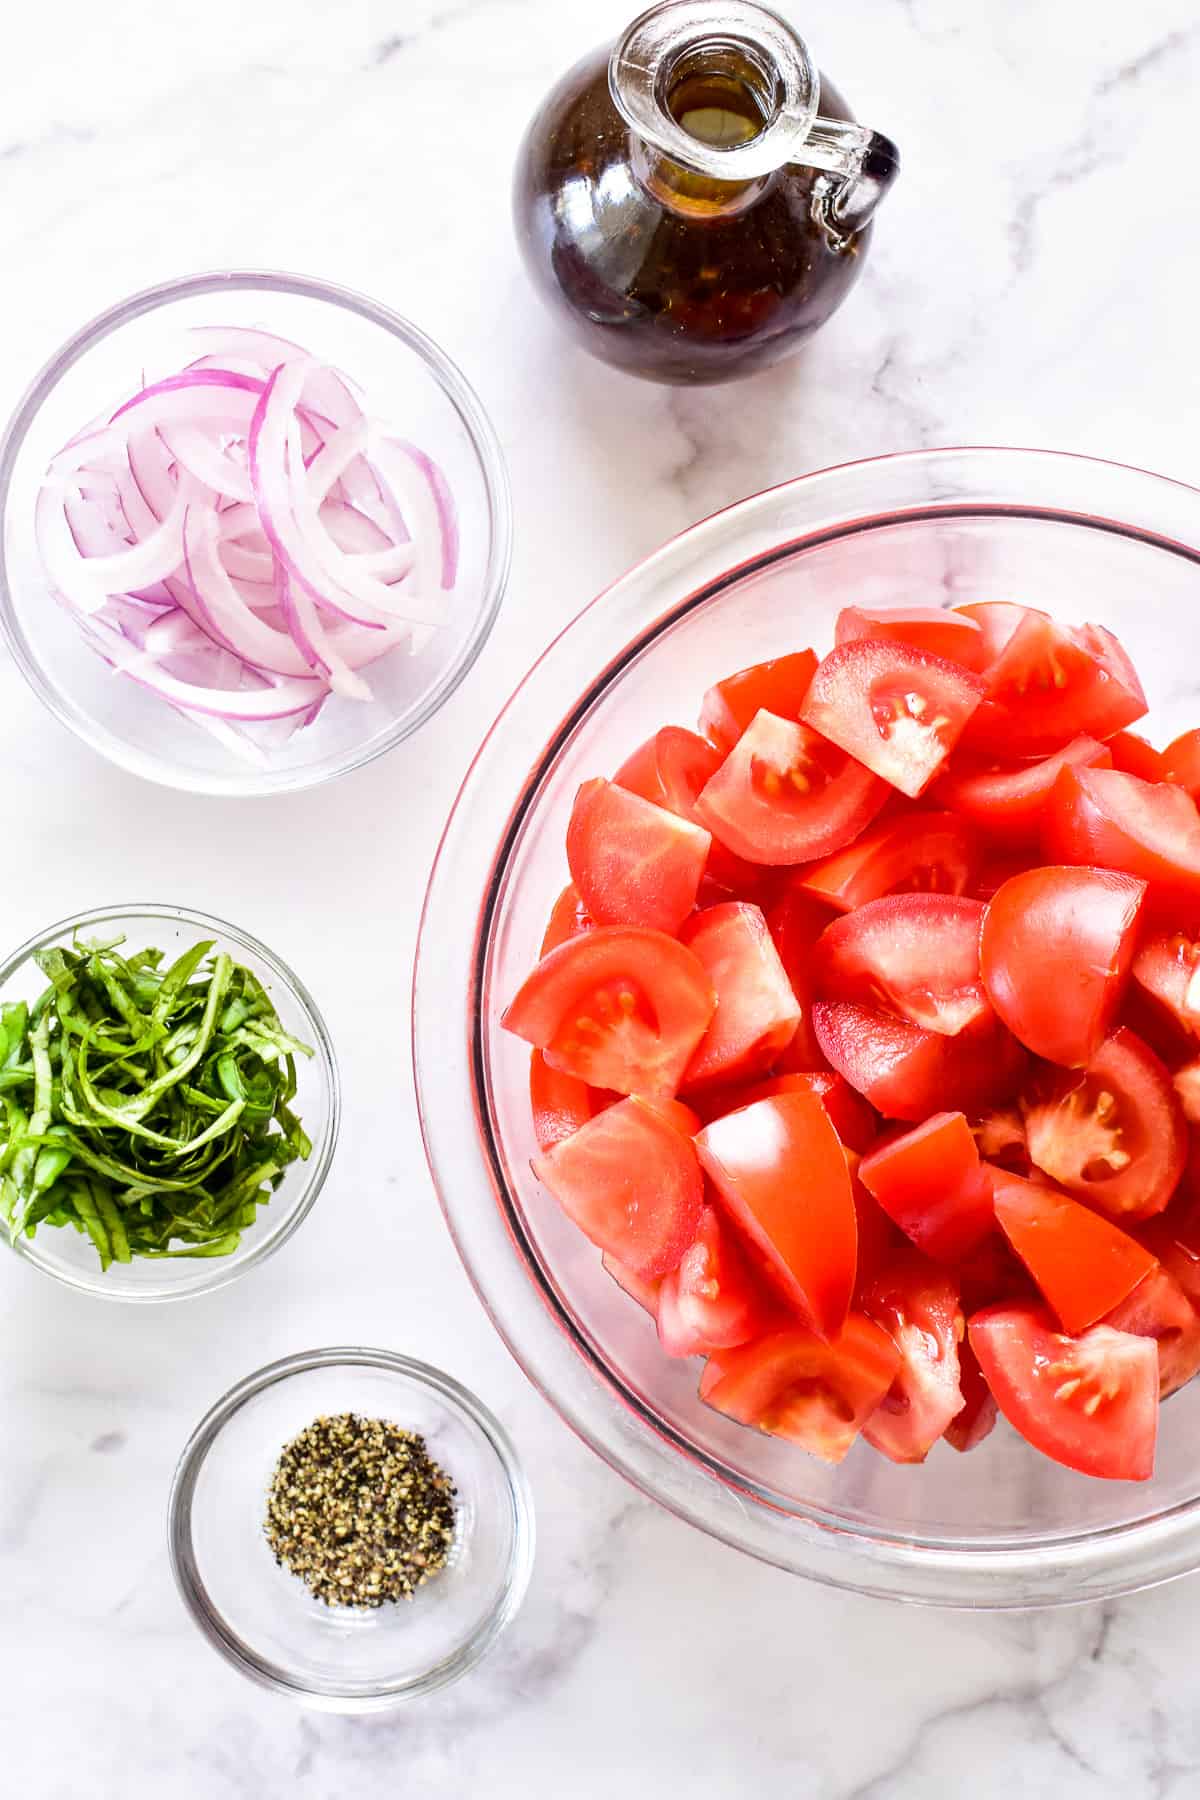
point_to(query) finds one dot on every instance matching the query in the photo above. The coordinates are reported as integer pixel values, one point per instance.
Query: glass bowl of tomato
(1104, 550)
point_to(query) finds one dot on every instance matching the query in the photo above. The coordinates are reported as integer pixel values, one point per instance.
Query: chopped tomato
(852, 1118)
(1115, 821)
(757, 1014)
(632, 862)
(631, 1182)
(780, 1172)
(1167, 967)
(907, 1073)
(942, 632)
(795, 923)
(1113, 1134)
(1158, 1308)
(670, 769)
(568, 917)
(1134, 756)
(785, 795)
(1000, 1136)
(918, 853)
(818, 1393)
(996, 871)
(917, 1304)
(931, 1183)
(978, 1416)
(619, 1008)
(878, 1240)
(994, 1272)
(915, 955)
(778, 687)
(1186, 1082)
(1051, 683)
(1083, 1264)
(1089, 1402)
(1007, 801)
(711, 1301)
(561, 1103)
(1181, 763)
(899, 711)
(1174, 1237)
(1056, 952)
(640, 1288)
(677, 1114)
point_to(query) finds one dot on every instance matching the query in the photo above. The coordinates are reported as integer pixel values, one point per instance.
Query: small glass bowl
(70, 1256)
(262, 1617)
(406, 380)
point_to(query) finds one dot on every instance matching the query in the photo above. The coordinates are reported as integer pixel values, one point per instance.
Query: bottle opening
(721, 96)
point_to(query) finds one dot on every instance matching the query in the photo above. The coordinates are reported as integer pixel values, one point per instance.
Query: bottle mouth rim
(649, 57)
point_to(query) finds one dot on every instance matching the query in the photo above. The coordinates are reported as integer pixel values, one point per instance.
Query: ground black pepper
(359, 1510)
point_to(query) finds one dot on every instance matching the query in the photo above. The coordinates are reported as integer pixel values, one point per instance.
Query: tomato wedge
(917, 1304)
(1134, 756)
(978, 1416)
(907, 1073)
(1181, 763)
(915, 955)
(631, 1182)
(1083, 1264)
(1050, 683)
(619, 1008)
(1167, 968)
(795, 1385)
(1089, 1402)
(853, 1120)
(796, 922)
(670, 769)
(561, 1103)
(899, 711)
(711, 1301)
(942, 632)
(1112, 1134)
(784, 795)
(780, 1172)
(1148, 829)
(931, 1183)
(757, 1014)
(778, 687)
(1079, 927)
(632, 862)
(1158, 1308)
(1007, 801)
(568, 918)
(918, 853)
(643, 1289)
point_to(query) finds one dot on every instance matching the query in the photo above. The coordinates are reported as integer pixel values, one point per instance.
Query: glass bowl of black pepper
(351, 1527)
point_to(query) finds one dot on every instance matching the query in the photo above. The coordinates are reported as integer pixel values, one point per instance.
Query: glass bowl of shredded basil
(168, 1102)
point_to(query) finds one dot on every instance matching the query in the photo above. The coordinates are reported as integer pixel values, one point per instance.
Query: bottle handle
(858, 168)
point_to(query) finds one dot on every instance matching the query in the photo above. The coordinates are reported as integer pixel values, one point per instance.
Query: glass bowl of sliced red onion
(254, 529)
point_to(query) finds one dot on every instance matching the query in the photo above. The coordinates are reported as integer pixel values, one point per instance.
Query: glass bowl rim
(374, 1696)
(937, 483)
(218, 1271)
(485, 445)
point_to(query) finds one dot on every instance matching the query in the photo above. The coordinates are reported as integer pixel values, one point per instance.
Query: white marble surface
(1033, 281)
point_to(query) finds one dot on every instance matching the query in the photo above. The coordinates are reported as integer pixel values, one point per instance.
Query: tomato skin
(631, 1181)
(1028, 1364)
(1109, 820)
(940, 631)
(777, 686)
(784, 795)
(757, 1014)
(1083, 1265)
(917, 955)
(1181, 763)
(1134, 756)
(1167, 968)
(670, 769)
(1007, 803)
(711, 1302)
(632, 862)
(1079, 926)
(852, 1119)
(978, 1416)
(569, 917)
(908, 1073)
(1050, 683)
(795, 1385)
(1158, 1308)
(640, 1048)
(561, 1103)
(1120, 1114)
(643, 1289)
(758, 1159)
(931, 1183)
(932, 853)
(899, 711)
(795, 922)
(917, 1304)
